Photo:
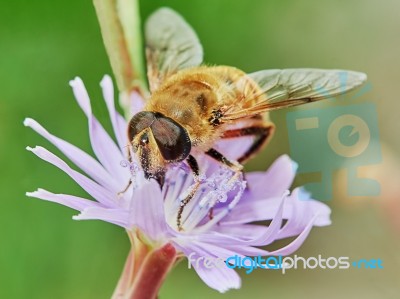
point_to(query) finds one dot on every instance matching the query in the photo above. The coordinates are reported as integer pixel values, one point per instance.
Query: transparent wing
(171, 45)
(277, 89)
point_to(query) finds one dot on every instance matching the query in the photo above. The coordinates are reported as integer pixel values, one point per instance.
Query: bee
(192, 106)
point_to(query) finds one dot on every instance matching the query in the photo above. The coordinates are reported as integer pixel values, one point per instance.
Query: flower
(149, 213)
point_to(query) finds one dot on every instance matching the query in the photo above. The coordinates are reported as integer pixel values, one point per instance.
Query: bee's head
(157, 139)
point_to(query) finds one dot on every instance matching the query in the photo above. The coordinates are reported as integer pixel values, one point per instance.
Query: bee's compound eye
(139, 122)
(172, 139)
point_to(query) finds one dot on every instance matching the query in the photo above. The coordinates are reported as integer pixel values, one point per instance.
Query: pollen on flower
(124, 163)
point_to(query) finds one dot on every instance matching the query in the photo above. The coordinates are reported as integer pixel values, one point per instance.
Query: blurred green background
(44, 44)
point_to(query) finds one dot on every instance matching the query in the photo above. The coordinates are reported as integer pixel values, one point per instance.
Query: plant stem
(121, 30)
(152, 273)
(145, 270)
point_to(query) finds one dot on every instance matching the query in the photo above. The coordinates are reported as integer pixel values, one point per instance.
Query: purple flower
(147, 211)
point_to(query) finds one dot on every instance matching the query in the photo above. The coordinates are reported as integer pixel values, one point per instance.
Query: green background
(44, 44)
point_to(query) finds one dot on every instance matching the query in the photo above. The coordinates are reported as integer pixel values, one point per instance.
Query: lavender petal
(81, 159)
(71, 201)
(106, 150)
(118, 122)
(116, 216)
(222, 278)
(271, 183)
(98, 192)
(147, 210)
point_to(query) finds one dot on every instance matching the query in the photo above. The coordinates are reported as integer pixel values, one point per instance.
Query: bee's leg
(194, 166)
(120, 193)
(216, 155)
(262, 133)
(233, 165)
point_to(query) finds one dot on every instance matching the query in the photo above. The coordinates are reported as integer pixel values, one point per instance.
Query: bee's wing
(290, 87)
(171, 45)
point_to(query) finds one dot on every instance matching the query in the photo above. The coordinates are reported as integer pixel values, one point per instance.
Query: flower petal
(106, 151)
(71, 201)
(301, 212)
(222, 278)
(234, 148)
(115, 216)
(225, 210)
(81, 159)
(250, 231)
(259, 210)
(118, 122)
(137, 103)
(224, 246)
(147, 210)
(264, 209)
(98, 192)
(271, 183)
(296, 243)
(132, 102)
(267, 237)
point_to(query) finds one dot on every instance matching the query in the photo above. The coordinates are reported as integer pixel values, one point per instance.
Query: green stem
(121, 30)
